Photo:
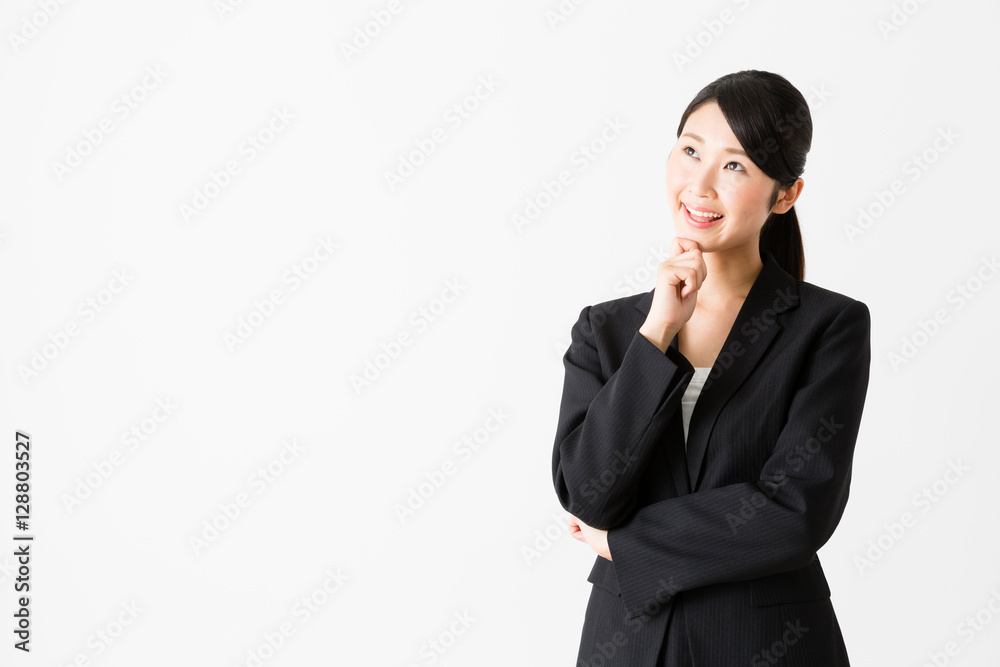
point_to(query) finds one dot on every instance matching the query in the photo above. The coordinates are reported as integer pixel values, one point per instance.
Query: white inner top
(690, 396)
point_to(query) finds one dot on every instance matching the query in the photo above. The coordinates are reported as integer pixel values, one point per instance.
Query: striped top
(690, 396)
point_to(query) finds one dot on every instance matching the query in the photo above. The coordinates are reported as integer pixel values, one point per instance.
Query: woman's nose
(702, 183)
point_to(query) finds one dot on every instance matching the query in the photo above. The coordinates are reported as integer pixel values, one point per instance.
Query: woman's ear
(787, 197)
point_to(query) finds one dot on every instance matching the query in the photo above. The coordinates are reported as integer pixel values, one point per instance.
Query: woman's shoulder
(621, 304)
(610, 324)
(816, 297)
(615, 309)
(821, 306)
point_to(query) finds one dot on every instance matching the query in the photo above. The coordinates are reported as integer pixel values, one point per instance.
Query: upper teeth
(704, 215)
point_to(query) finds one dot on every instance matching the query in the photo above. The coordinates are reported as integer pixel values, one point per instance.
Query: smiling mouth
(703, 217)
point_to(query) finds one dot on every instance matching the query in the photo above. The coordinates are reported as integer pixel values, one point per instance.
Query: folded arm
(777, 523)
(607, 429)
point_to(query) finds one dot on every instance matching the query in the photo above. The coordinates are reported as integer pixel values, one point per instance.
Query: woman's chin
(703, 236)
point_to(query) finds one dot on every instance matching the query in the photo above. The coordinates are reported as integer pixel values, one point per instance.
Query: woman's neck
(731, 274)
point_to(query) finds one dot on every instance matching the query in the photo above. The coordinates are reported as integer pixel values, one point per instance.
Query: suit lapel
(757, 324)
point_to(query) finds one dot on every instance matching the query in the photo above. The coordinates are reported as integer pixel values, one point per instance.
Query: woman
(707, 427)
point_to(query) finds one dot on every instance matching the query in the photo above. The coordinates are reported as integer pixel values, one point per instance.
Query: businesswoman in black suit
(707, 520)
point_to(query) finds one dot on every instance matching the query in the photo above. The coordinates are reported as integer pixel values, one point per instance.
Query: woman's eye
(695, 154)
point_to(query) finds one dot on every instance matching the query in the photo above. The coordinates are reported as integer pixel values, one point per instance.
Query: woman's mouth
(700, 221)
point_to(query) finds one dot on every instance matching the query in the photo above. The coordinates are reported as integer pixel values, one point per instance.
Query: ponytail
(782, 237)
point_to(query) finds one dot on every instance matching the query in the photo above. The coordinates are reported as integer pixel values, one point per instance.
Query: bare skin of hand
(595, 538)
(675, 295)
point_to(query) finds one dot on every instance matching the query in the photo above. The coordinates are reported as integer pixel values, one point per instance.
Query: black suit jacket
(714, 548)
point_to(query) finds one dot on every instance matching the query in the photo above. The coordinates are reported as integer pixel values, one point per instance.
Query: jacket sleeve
(607, 429)
(777, 523)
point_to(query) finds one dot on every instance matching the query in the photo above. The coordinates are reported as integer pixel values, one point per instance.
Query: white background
(107, 542)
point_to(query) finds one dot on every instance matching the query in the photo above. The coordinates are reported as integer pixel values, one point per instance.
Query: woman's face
(709, 171)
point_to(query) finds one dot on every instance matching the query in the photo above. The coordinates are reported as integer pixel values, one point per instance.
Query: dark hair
(771, 120)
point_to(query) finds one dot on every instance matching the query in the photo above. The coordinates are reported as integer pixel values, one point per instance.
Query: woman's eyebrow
(728, 150)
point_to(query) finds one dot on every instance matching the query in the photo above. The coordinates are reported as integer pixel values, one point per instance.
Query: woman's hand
(673, 303)
(596, 538)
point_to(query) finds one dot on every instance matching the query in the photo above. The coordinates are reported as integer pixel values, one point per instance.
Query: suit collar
(758, 322)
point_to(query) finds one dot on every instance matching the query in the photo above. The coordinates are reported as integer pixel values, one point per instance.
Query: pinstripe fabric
(714, 549)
